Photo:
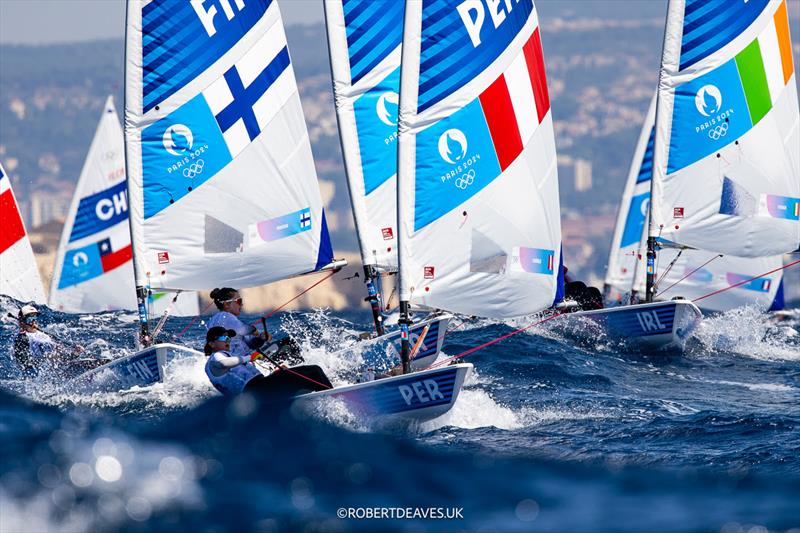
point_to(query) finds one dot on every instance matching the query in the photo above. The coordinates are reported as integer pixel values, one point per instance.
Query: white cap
(28, 310)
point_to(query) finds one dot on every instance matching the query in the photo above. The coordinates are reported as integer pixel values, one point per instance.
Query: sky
(58, 21)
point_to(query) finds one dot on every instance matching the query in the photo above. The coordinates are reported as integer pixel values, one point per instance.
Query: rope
(195, 319)
(493, 341)
(692, 272)
(746, 281)
(669, 267)
(266, 316)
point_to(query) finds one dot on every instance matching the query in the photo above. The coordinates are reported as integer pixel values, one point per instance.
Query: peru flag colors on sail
(19, 275)
(726, 170)
(221, 179)
(364, 41)
(477, 181)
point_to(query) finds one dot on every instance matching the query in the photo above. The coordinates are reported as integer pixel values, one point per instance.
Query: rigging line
(279, 368)
(493, 341)
(163, 319)
(266, 316)
(195, 319)
(784, 267)
(669, 267)
(692, 272)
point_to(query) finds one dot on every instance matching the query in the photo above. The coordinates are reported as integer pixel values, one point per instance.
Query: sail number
(649, 321)
(422, 391)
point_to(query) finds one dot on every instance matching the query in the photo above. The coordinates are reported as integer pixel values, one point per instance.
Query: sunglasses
(237, 300)
(223, 338)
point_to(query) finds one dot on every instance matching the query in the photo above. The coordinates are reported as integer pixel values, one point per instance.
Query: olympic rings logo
(465, 180)
(194, 169)
(719, 131)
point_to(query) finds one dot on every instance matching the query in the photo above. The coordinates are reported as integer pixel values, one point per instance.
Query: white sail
(94, 270)
(364, 38)
(690, 273)
(19, 275)
(697, 273)
(627, 251)
(478, 200)
(727, 147)
(222, 185)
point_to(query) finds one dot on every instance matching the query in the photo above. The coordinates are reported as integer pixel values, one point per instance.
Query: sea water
(550, 433)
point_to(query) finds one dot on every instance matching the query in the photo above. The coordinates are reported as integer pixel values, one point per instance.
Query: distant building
(583, 175)
(45, 207)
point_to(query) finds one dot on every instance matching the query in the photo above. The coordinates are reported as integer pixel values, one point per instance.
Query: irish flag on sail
(478, 189)
(726, 172)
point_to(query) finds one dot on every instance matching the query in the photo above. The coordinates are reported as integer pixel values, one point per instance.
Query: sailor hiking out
(232, 374)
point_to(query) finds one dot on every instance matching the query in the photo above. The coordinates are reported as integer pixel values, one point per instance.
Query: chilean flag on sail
(514, 99)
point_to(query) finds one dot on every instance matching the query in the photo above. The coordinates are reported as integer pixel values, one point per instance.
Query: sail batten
(726, 174)
(222, 183)
(477, 183)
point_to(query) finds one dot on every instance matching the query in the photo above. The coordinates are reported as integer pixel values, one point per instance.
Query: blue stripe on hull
(404, 395)
(638, 322)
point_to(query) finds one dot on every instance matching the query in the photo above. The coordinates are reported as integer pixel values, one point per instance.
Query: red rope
(493, 341)
(287, 369)
(690, 273)
(746, 281)
(195, 319)
(326, 278)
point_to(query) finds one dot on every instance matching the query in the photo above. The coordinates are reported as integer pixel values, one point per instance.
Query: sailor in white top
(247, 338)
(229, 373)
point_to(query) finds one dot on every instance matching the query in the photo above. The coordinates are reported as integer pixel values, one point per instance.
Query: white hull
(419, 396)
(140, 369)
(382, 353)
(656, 325)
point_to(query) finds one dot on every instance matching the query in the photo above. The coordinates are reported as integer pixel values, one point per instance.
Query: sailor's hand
(267, 336)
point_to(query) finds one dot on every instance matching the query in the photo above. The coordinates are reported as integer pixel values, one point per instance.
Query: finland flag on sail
(252, 91)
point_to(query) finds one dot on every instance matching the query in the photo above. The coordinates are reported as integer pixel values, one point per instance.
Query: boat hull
(140, 369)
(382, 353)
(655, 325)
(419, 396)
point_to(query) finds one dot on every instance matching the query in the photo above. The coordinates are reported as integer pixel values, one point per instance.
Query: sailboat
(726, 175)
(687, 272)
(94, 269)
(221, 180)
(364, 40)
(19, 275)
(478, 206)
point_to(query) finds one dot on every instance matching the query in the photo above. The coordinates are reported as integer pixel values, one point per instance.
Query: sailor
(229, 373)
(33, 347)
(247, 339)
(232, 374)
(229, 303)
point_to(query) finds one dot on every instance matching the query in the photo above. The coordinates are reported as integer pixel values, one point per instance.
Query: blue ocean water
(551, 433)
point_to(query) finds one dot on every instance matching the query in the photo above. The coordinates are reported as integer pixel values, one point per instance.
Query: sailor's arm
(222, 363)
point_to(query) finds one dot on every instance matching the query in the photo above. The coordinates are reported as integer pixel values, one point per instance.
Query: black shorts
(285, 383)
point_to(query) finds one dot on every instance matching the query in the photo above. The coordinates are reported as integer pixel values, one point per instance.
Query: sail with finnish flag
(222, 184)
(478, 197)
(19, 275)
(726, 172)
(690, 273)
(364, 38)
(93, 269)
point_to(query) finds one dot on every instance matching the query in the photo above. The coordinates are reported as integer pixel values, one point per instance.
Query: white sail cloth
(727, 145)
(478, 199)
(19, 275)
(94, 269)
(364, 39)
(221, 179)
(695, 273)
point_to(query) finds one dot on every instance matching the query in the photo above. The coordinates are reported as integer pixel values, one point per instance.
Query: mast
(141, 290)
